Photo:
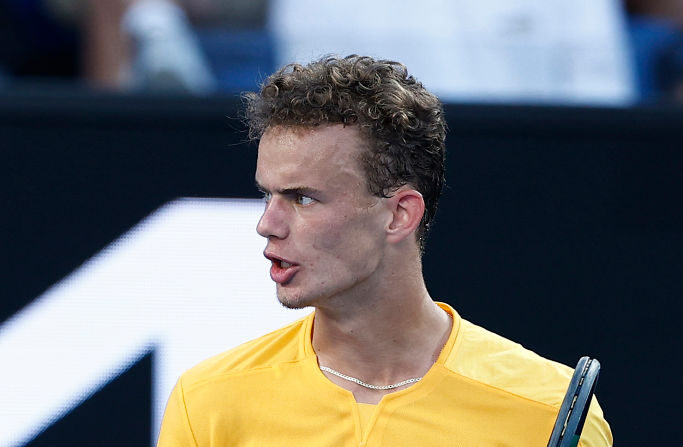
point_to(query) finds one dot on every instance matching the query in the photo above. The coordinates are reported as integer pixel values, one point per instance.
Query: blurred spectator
(656, 28)
(490, 50)
(144, 44)
(153, 45)
(159, 45)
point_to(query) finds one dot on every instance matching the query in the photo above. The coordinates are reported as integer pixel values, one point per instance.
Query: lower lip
(282, 275)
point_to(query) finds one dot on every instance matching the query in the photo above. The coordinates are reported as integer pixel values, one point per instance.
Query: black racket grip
(574, 408)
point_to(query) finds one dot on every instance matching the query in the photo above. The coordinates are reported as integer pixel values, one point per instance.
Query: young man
(351, 162)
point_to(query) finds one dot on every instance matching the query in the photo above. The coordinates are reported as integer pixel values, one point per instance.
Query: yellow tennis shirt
(484, 390)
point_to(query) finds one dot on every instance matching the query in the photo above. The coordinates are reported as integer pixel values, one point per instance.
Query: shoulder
(496, 361)
(241, 375)
(280, 346)
(487, 357)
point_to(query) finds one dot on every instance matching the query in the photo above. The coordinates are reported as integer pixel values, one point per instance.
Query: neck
(385, 336)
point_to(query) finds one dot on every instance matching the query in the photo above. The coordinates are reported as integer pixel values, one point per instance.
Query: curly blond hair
(402, 121)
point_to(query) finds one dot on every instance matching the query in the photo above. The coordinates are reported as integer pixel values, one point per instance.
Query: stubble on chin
(291, 301)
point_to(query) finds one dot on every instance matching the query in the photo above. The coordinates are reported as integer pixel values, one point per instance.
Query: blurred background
(127, 243)
(587, 51)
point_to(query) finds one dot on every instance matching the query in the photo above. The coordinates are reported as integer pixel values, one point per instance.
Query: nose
(273, 222)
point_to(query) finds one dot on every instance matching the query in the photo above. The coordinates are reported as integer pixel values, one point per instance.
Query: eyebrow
(303, 190)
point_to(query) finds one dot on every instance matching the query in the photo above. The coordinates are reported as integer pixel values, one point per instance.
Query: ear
(407, 207)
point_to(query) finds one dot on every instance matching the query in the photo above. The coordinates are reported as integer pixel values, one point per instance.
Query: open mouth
(281, 271)
(281, 262)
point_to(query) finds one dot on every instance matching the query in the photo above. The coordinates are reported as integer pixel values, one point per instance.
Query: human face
(325, 230)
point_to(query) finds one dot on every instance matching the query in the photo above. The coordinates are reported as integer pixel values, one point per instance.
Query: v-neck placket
(372, 434)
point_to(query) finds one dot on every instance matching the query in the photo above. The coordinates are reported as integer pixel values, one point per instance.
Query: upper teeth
(285, 264)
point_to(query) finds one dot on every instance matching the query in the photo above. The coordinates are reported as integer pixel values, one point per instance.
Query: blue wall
(560, 228)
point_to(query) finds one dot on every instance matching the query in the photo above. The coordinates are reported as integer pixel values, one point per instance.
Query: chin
(293, 302)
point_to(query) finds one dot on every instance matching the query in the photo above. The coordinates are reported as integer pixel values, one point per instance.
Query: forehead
(292, 152)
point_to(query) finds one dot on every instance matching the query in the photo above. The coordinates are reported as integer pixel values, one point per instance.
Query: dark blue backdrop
(560, 228)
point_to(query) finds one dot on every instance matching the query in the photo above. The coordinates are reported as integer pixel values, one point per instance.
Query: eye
(266, 196)
(304, 200)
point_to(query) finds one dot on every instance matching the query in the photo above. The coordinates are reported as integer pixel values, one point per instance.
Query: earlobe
(407, 207)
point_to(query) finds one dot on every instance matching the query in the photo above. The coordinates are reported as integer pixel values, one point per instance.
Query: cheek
(347, 239)
(329, 238)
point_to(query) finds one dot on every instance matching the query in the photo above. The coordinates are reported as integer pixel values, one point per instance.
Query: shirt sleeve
(175, 426)
(596, 431)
